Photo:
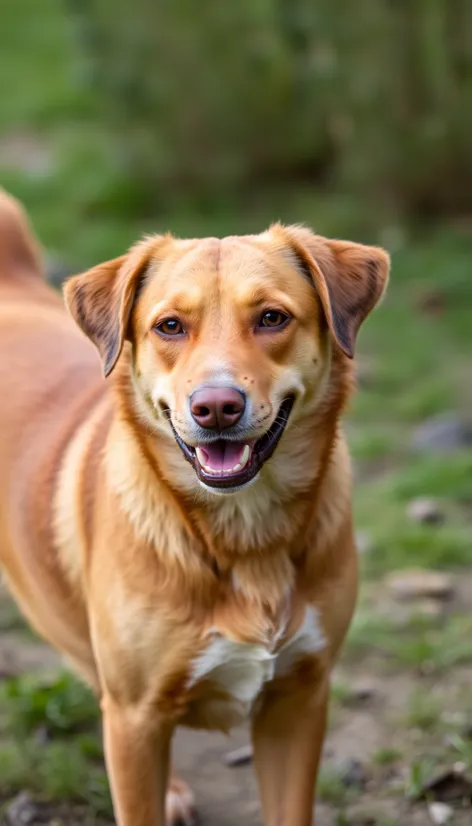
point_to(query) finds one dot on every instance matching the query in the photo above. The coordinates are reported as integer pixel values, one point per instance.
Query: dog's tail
(19, 250)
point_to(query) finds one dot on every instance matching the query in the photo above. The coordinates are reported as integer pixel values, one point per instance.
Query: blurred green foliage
(372, 97)
(60, 704)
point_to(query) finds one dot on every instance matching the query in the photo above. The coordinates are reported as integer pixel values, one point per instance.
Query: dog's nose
(217, 407)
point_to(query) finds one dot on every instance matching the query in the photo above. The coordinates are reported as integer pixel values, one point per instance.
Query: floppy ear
(349, 278)
(101, 299)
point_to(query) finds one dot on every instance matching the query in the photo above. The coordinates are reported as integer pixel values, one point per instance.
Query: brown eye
(273, 319)
(170, 327)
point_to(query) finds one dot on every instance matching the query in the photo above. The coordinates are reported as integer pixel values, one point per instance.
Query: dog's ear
(101, 299)
(349, 278)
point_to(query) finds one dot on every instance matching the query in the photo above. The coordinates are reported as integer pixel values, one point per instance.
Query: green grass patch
(50, 741)
(53, 771)
(397, 541)
(340, 693)
(60, 704)
(420, 772)
(423, 712)
(331, 789)
(425, 644)
(461, 749)
(387, 756)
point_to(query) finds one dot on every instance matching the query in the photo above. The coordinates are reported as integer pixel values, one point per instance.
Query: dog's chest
(240, 670)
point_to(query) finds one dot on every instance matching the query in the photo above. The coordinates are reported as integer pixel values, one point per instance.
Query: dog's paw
(180, 804)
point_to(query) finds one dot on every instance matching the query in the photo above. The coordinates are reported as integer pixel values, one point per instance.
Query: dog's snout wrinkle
(217, 407)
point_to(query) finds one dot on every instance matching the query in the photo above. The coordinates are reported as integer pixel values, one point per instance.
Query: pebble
(442, 434)
(364, 542)
(363, 692)
(425, 511)
(418, 583)
(440, 813)
(22, 810)
(450, 784)
(351, 772)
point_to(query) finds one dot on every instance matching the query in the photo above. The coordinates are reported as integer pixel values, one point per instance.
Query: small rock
(364, 542)
(351, 772)
(42, 736)
(22, 810)
(361, 693)
(440, 813)
(447, 786)
(239, 757)
(364, 692)
(442, 434)
(425, 511)
(417, 583)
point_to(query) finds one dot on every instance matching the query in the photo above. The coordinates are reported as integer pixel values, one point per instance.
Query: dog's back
(49, 382)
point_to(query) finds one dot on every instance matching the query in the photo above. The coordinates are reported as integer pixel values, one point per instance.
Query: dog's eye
(170, 327)
(273, 318)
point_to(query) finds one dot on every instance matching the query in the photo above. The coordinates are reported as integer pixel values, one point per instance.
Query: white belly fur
(241, 669)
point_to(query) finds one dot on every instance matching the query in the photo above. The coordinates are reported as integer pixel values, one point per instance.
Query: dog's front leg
(288, 733)
(137, 757)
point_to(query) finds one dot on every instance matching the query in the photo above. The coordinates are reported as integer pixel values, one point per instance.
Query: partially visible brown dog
(183, 532)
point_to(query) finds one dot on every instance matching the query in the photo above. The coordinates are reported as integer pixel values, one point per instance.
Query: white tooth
(200, 456)
(245, 456)
(211, 470)
(239, 466)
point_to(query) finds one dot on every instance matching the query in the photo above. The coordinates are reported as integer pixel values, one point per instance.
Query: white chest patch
(238, 667)
(309, 639)
(241, 669)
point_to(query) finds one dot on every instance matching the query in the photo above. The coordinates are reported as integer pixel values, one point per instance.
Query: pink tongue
(223, 456)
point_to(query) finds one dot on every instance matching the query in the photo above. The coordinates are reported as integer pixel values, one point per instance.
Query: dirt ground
(375, 734)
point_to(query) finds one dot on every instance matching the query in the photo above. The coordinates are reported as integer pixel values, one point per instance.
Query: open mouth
(225, 463)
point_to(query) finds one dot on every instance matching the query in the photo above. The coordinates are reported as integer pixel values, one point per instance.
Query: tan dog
(183, 531)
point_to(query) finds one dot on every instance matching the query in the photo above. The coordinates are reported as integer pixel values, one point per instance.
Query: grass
(397, 540)
(426, 644)
(421, 771)
(424, 712)
(56, 156)
(387, 756)
(54, 772)
(38, 720)
(332, 789)
(461, 749)
(61, 705)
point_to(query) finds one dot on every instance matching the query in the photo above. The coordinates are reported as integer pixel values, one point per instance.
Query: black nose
(217, 407)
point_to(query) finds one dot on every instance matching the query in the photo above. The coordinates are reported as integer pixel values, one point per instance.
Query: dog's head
(231, 340)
